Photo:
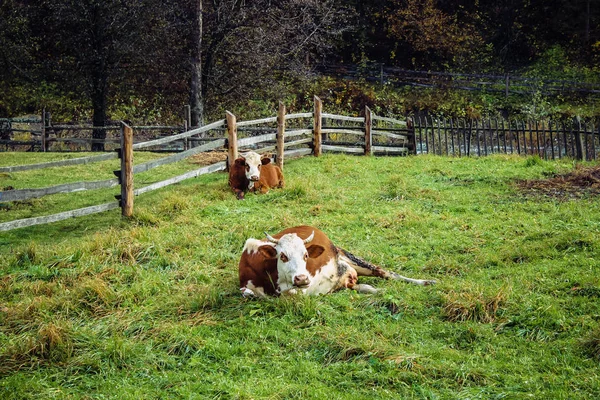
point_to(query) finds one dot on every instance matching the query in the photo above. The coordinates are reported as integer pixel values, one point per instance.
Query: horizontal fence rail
(26, 194)
(61, 163)
(80, 212)
(215, 144)
(220, 166)
(184, 135)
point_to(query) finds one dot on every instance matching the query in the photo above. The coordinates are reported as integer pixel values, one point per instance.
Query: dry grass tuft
(113, 247)
(26, 256)
(52, 336)
(95, 294)
(591, 344)
(408, 362)
(42, 288)
(473, 306)
(51, 342)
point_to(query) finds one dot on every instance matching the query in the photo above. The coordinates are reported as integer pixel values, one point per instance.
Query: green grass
(99, 307)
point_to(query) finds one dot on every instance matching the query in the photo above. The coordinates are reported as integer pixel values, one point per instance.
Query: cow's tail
(365, 268)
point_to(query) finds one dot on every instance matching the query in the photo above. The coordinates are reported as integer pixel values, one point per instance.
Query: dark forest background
(143, 60)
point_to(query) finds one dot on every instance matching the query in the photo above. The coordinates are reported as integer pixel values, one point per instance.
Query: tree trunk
(196, 98)
(587, 24)
(99, 95)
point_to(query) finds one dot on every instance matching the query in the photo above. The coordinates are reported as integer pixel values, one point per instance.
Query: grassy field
(98, 307)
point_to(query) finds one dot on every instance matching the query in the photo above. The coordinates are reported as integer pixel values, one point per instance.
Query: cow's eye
(247, 167)
(305, 256)
(284, 258)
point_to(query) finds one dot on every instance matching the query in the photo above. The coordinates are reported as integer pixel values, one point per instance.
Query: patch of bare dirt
(208, 158)
(576, 184)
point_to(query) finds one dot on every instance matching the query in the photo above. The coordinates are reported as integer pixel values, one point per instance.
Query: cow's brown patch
(579, 183)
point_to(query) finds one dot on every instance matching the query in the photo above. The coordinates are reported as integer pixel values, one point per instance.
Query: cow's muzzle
(301, 280)
(254, 178)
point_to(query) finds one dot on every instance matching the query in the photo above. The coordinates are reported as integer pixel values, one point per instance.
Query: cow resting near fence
(271, 176)
(249, 170)
(303, 260)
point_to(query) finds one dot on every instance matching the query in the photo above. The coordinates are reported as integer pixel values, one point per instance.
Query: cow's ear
(266, 160)
(268, 251)
(240, 161)
(315, 250)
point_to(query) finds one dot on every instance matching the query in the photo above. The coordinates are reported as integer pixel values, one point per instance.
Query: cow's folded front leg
(248, 293)
(239, 194)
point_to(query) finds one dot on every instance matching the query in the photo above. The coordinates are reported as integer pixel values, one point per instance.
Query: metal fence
(549, 139)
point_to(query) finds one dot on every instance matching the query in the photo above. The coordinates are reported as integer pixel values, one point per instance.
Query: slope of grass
(97, 307)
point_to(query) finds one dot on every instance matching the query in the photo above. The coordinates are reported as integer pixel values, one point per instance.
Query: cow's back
(270, 177)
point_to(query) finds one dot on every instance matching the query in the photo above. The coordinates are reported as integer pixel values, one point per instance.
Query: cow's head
(252, 163)
(292, 254)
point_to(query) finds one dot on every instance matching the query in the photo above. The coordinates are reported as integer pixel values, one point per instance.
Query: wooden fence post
(412, 135)
(187, 113)
(48, 118)
(368, 126)
(280, 134)
(126, 170)
(232, 147)
(187, 123)
(44, 144)
(580, 154)
(317, 125)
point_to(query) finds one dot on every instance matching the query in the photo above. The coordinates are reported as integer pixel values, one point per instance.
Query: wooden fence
(288, 135)
(300, 134)
(40, 133)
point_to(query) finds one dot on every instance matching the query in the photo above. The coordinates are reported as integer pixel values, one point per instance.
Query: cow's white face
(291, 261)
(292, 255)
(253, 164)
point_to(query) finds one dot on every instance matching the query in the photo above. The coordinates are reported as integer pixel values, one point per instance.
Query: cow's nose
(301, 280)
(254, 178)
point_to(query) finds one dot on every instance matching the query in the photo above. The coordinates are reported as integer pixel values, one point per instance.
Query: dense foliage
(104, 59)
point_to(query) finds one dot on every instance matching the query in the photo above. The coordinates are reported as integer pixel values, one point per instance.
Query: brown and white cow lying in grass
(271, 176)
(251, 172)
(303, 260)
